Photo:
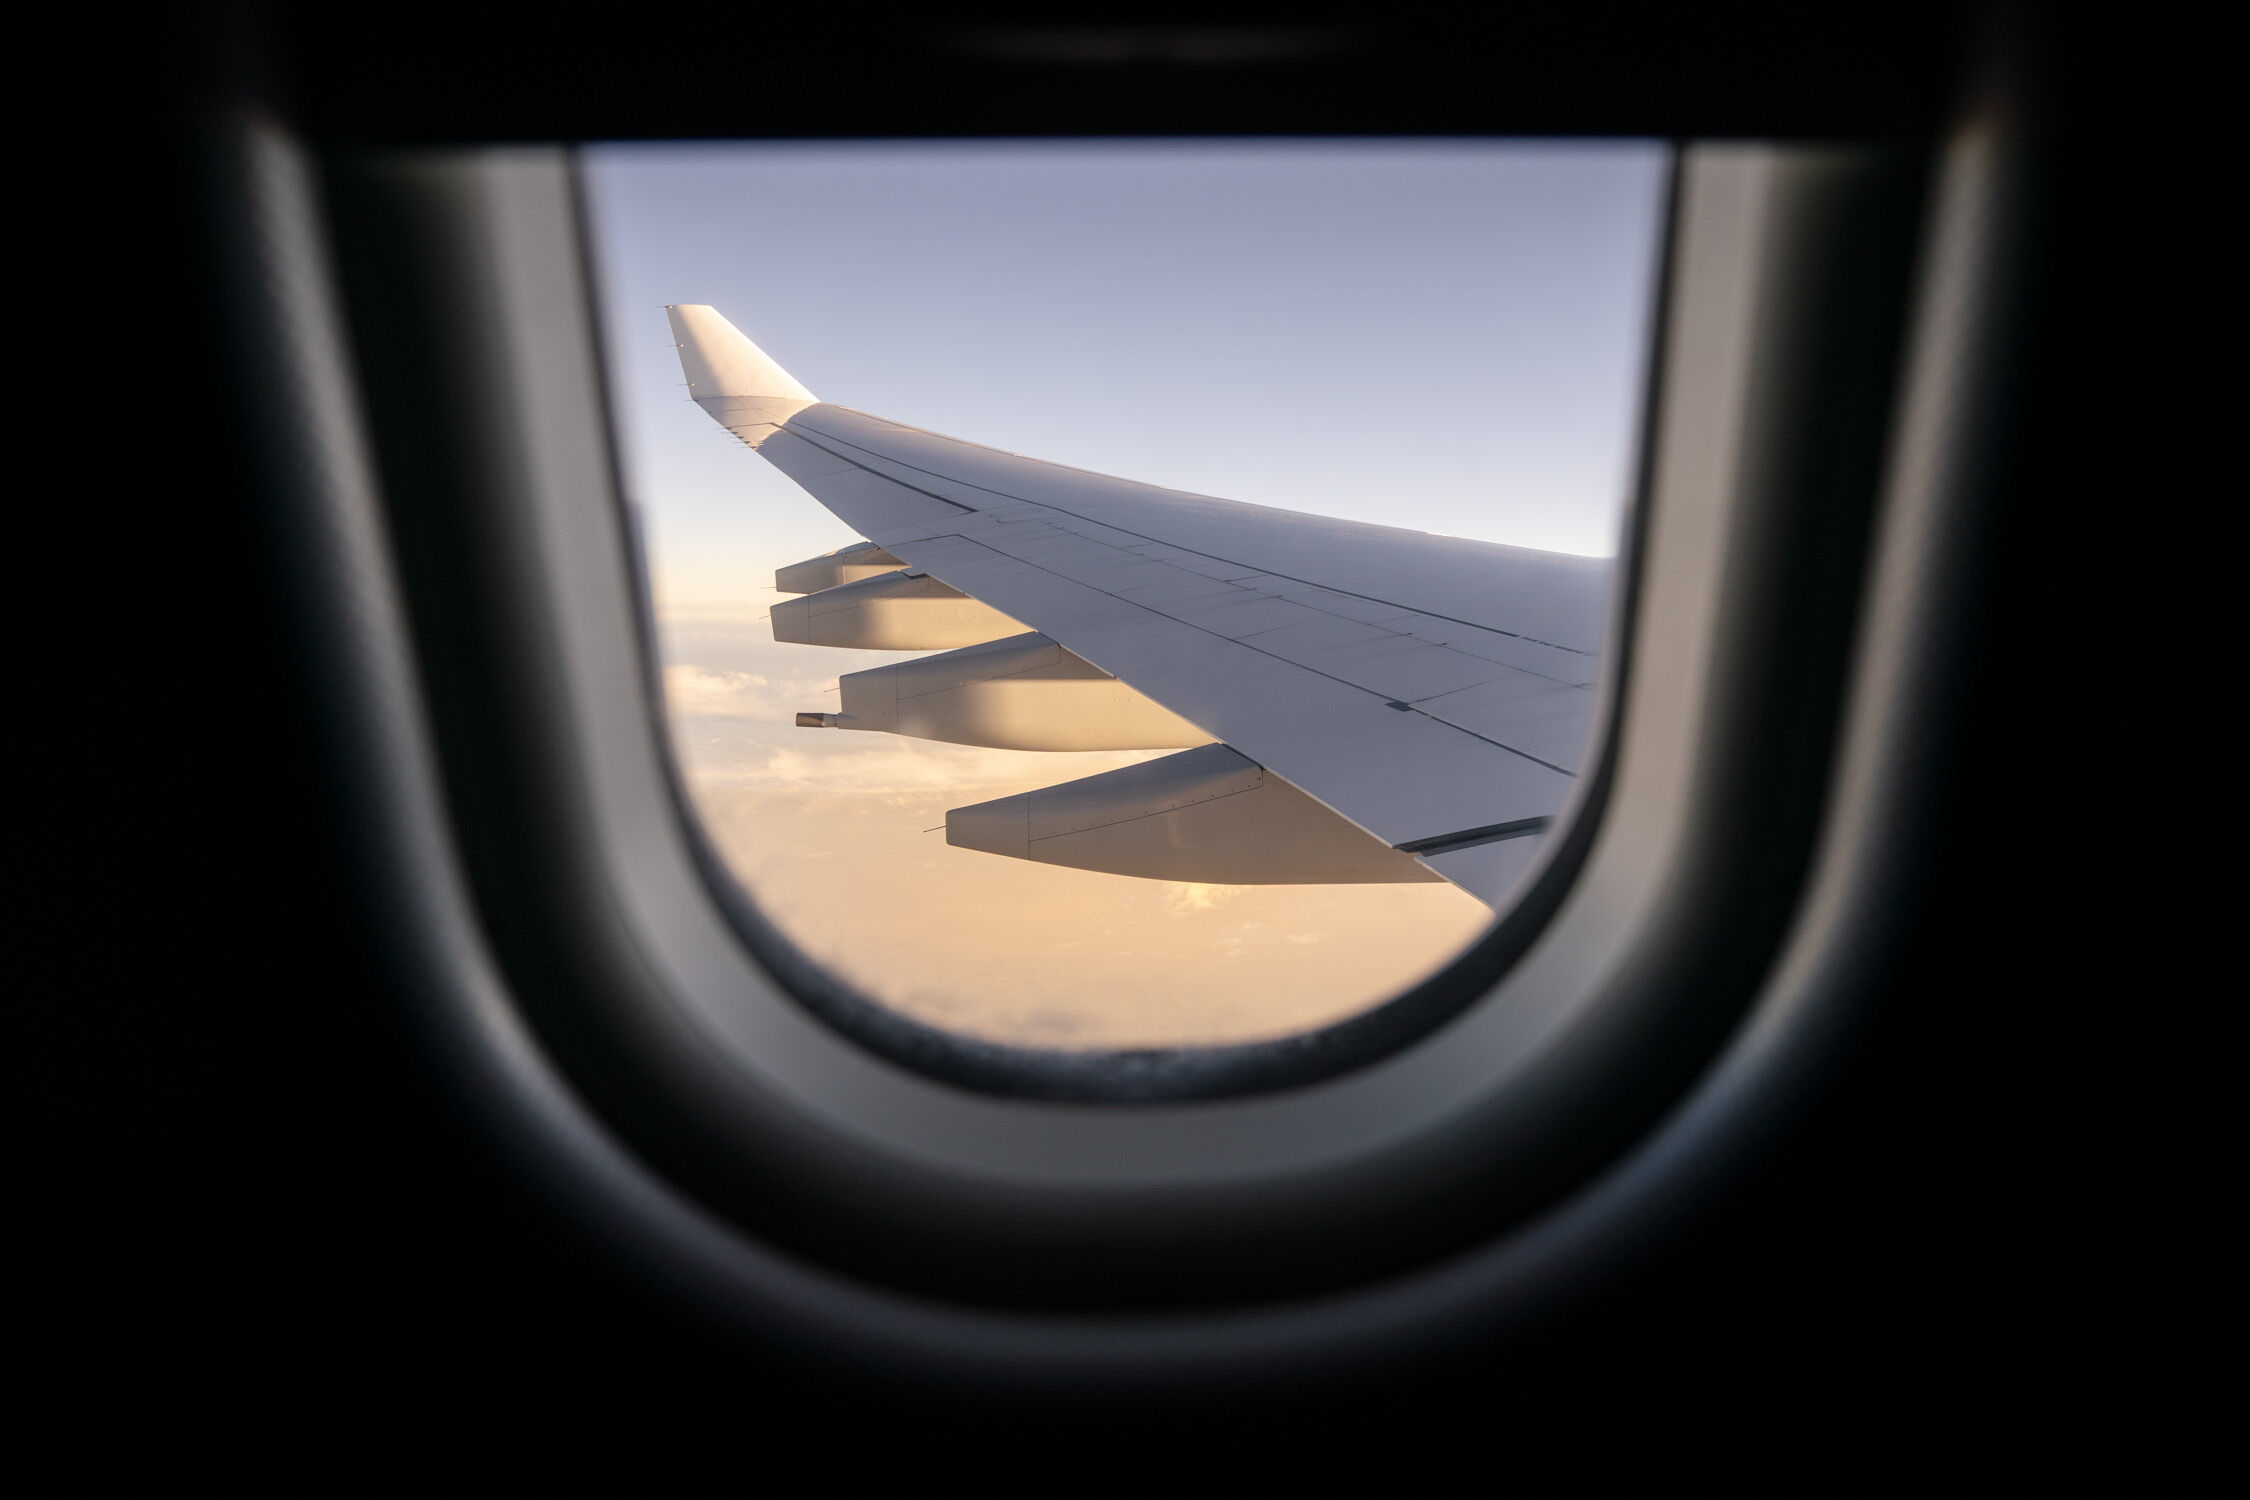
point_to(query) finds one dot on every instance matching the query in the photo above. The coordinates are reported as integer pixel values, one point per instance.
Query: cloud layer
(838, 836)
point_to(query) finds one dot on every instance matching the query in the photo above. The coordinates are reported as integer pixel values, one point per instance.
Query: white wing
(1435, 692)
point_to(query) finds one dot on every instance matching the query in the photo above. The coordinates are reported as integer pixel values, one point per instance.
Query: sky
(1444, 336)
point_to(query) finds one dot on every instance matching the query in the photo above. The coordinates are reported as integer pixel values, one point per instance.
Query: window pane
(1445, 338)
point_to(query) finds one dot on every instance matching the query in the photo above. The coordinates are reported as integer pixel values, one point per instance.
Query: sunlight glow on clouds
(831, 832)
(702, 692)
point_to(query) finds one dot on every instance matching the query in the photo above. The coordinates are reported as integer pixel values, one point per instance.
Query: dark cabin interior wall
(268, 1248)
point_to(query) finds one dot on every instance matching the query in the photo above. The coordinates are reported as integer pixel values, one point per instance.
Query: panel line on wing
(902, 484)
(1250, 644)
(798, 426)
(1033, 530)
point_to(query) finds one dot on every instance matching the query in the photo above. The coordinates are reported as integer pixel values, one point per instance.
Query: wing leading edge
(1430, 695)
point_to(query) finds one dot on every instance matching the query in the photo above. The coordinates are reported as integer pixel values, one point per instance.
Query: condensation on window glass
(1062, 763)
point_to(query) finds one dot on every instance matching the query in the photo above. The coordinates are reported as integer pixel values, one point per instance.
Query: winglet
(730, 377)
(720, 361)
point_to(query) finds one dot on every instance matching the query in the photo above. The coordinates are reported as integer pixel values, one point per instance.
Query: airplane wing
(1434, 693)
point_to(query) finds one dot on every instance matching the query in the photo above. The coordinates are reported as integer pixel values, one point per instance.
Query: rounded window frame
(606, 1029)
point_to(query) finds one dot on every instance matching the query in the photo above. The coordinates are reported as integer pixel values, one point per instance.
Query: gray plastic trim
(727, 1030)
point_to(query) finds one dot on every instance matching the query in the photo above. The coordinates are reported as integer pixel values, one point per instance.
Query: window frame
(562, 1013)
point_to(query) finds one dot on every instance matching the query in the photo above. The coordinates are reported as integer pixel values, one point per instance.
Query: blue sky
(1442, 335)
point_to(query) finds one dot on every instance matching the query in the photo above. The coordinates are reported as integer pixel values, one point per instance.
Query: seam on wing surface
(801, 428)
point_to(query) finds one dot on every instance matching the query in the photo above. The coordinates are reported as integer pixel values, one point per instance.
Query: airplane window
(982, 697)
